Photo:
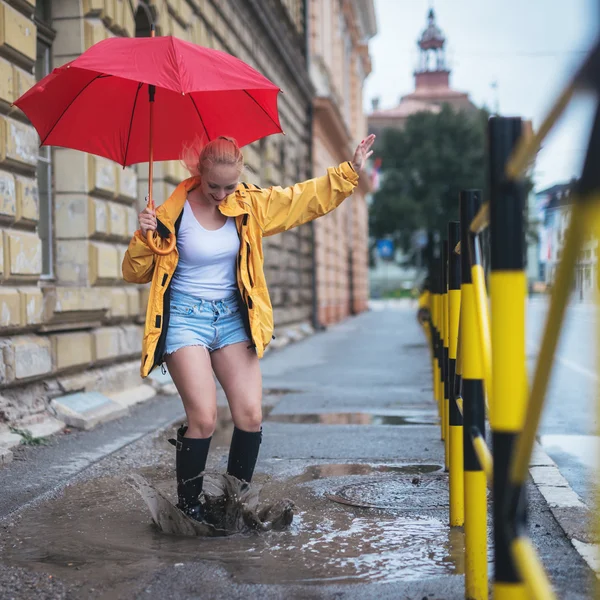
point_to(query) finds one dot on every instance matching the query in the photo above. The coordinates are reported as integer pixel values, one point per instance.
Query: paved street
(568, 430)
(351, 437)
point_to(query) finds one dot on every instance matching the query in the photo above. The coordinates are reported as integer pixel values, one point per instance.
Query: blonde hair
(199, 156)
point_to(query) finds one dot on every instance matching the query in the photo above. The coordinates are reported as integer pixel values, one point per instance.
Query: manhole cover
(408, 493)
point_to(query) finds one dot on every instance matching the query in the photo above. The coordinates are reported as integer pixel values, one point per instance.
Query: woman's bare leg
(238, 370)
(191, 370)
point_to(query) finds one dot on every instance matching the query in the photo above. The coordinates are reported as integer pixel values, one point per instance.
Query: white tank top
(207, 259)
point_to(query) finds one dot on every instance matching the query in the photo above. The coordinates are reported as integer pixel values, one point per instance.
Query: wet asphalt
(350, 435)
(569, 426)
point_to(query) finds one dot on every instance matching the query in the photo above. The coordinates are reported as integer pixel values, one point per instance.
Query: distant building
(555, 204)
(339, 63)
(535, 221)
(432, 91)
(432, 85)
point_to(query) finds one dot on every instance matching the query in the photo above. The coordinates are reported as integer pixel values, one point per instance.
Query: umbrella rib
(131, 123)
(200, 117)
(261, 108)
(71, 103)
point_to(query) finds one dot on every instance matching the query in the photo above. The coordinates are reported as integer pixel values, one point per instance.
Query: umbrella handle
(161, 251)
(150, 237)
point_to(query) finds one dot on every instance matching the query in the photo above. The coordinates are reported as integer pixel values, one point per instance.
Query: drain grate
(400, 493)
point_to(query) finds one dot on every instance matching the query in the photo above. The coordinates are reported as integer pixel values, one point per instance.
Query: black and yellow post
(508, 286)
(483, 318)
(434, 330)
(455, 421)
(458, 374)
(476, 577)
(440, 337)
(444, 290)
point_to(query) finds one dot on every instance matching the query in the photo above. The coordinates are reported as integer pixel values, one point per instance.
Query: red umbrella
(136, 100)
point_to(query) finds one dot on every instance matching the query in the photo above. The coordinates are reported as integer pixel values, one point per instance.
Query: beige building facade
(68, 321)
(339, 62)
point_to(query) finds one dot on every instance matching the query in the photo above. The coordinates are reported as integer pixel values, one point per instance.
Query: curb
(81, 410)
(570, 512)
(132, 396)
(8, 440)
(86, 410)
(31, 427)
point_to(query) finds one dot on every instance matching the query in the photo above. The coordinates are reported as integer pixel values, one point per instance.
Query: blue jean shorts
(213, 324)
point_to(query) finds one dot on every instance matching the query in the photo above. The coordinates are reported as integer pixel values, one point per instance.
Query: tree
(423, 169)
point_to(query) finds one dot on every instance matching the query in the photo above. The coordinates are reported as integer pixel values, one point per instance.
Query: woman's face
(218, 182)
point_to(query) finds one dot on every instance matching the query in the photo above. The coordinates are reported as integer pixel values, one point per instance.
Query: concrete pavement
(351, 435)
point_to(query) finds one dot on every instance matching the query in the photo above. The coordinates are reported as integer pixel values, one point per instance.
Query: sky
(528, 48)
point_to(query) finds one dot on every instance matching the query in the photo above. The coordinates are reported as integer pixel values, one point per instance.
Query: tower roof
(432, 36)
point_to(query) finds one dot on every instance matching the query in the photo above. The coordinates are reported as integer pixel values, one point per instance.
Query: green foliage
(399, 293)
(424, 167)
(27, 438)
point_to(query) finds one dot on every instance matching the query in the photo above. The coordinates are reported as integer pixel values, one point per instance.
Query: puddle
(230, 507)
(279, 391)
(358, 418)
(316, 472)
(418, 346)
(98, 534)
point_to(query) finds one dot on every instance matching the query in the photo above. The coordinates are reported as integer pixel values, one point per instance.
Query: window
(143, 19)
(327, 41)
(282, 160)
(43, 66)
(347, 69)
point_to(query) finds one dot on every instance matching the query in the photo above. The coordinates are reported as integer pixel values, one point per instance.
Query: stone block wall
(77, 326)
(58, 328)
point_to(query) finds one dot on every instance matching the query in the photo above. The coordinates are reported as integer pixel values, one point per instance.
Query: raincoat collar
(169, 211)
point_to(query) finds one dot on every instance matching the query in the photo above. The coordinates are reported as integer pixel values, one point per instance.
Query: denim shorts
(209, 323)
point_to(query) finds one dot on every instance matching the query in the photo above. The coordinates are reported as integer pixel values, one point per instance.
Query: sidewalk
(352, 426)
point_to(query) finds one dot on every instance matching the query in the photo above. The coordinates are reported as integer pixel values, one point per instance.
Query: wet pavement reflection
(358, 418)
(98, 533)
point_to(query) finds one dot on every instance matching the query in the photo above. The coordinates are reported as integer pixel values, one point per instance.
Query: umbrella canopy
(99, 102)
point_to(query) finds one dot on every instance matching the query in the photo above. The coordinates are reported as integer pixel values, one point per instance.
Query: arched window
(143, 17)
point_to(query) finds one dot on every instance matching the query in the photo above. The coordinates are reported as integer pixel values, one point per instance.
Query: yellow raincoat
(258, 213)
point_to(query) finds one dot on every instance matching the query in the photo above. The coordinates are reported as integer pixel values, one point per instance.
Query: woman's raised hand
(362, 153)
(147, 221)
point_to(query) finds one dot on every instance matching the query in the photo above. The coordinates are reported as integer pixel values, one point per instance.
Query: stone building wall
(68, 321)
(339, 31)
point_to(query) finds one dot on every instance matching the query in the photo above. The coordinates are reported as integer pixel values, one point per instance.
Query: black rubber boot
(190, 462)
(243, 453)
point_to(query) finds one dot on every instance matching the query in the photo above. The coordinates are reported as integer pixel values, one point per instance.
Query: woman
(209, 308)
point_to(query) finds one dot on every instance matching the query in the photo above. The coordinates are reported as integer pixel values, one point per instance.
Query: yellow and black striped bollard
(445, 395)
(455, 420)
(444, 328)
(508, 288)
(435, 337)
(476, 577)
